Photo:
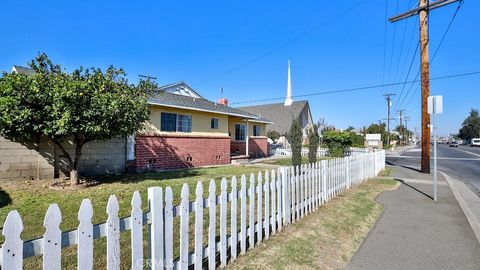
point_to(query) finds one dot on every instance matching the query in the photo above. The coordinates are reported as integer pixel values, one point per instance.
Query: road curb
(473, 219)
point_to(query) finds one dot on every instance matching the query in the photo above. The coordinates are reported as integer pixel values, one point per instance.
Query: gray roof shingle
(280, 115)
(24, 70)
(179, 101)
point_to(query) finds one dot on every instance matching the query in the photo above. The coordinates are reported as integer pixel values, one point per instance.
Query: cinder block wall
(45, 160)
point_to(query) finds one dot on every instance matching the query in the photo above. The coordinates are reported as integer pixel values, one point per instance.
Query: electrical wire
(291, 41)
(360, 88)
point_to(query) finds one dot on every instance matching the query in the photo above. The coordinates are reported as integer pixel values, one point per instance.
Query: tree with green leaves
(378, 129)
(470, 126)
(82, 106)
(337, 142)
(273, 135)
(295, 138)
(313, 142)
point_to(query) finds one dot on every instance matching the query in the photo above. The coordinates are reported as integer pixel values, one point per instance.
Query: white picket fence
(321, 152)
(276, 199)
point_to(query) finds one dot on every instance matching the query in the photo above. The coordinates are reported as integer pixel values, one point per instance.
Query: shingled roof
(23, 70)
(167, 99)
(278, 113)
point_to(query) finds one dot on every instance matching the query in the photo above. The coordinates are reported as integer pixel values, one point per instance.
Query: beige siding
(200, 122)
(233, 120)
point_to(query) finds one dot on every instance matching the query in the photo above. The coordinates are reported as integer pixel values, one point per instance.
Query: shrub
(337, 142)
(295, 137)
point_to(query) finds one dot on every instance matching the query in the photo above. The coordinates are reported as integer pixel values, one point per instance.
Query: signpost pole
(434, 159)
(435, 106)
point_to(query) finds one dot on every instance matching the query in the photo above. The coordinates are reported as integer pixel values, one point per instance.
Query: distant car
(475, 142)
(454, 144)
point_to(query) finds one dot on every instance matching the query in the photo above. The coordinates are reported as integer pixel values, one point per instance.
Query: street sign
(435, 104)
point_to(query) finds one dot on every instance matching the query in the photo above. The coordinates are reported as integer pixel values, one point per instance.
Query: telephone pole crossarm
(416, 11)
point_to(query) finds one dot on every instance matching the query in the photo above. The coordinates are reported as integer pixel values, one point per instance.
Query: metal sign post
(435, 106)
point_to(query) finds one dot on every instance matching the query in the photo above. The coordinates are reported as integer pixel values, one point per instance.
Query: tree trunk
(74, 171)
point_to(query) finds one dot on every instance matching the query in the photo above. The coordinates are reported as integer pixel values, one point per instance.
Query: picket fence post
(199, 226)
(113, 234)
(155, 205)
(212, 204)
(52, 239)
(223, 223)
(243, 215)
(85, 236)
(136, 237)
(233, 219)
(12, 248)
(184, 217)
(168, 263)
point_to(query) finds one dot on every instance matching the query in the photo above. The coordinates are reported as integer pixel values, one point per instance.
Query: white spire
(289, 99)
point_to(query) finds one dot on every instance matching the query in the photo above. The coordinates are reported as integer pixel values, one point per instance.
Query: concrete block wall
(44, 160)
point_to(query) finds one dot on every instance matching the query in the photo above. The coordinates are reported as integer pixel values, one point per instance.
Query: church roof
(279, 114)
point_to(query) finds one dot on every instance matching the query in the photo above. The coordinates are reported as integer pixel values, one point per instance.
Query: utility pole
(423, 9)
(406, 118)
(401, 129)
(388, 97)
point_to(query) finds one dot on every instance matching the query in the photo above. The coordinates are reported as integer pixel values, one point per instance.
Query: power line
(385, 42)
(360, 88)
(438, 48)
(291, 41)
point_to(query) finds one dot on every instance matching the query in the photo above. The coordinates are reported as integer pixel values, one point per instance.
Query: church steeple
(289, 99)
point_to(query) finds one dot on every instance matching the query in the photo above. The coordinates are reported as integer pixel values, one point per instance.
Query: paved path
(416, 233)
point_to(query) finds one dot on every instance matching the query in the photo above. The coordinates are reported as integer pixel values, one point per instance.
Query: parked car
(475, 142)
(454, 144)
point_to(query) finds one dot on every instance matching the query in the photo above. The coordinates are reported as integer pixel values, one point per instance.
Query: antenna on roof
(221, 92)
(147, 77)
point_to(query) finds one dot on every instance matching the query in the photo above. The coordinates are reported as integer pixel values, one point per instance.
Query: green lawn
(32, 198)
(288, 161)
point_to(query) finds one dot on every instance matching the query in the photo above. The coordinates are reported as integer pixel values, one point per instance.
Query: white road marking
(439, 158)
(415, 150)
(465, 151)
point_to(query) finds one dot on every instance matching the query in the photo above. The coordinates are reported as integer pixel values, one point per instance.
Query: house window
(168, 122)
(239, 132)
(175, 122)
(256, 130)
(184, 123)
(214, 123)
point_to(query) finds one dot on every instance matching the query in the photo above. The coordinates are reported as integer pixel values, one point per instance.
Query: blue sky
(332, 46)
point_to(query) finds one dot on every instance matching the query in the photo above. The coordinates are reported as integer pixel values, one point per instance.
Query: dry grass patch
(326, 239)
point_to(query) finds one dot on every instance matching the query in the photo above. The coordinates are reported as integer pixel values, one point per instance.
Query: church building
(282, 114)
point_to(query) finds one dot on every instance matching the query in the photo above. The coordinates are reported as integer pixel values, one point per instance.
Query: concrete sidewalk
(416, 233)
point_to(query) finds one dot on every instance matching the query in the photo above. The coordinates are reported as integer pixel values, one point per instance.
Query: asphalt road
(462, 163)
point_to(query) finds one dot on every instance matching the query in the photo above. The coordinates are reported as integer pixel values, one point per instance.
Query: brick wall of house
(174, 152)
(258, 147)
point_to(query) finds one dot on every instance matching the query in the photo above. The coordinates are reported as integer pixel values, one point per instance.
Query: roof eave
(201, 110)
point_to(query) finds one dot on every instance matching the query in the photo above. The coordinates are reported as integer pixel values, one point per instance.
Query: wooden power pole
(388, 97)
(423, 9)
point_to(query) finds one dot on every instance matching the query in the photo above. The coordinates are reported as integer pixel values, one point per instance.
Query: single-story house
(184, 130)
(187, 130)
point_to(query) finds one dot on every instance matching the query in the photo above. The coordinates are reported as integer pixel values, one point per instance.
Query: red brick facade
(174, 152)
(258, 147)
